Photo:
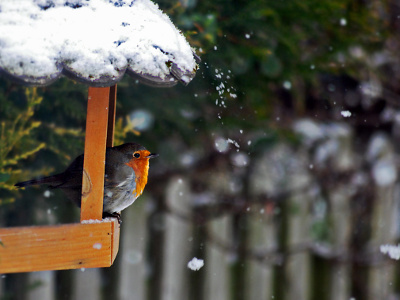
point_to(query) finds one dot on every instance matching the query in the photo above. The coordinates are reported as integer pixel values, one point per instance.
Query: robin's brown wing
(70, 181)
(69, 178)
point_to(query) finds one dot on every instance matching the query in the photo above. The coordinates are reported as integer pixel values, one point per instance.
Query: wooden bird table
(159, 58)
(92, 243)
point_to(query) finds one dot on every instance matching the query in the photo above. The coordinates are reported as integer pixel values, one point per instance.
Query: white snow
(91, 221)
(309, 129)
(313, 131)
(97, 246)
(195, 264)
(221, 144)
(345, 113)
(378, 146)
(240, 159)
(384, 172)
(326, 150)
(99, 39)
(371, 88)
(141, 119)
(287, 85)
(233, 142)
(391, 250)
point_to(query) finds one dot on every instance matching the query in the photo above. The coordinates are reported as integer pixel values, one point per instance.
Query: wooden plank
(217, 265)
(71, 246)
(44, 283)
(111, 115)
(87, 284)
(133, 274)
(178, 234)
(385, 217)
(262, 239)
(340, 204)
(298, 224)
(115, 239)
(95, 145)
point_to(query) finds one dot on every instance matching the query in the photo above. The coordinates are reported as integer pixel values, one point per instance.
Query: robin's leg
(113, 215)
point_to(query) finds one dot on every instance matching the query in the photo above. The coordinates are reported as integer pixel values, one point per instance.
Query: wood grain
(95, 148)
(111, 115)
(70, 246)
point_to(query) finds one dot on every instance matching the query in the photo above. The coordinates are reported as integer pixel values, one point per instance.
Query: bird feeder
(95, 43)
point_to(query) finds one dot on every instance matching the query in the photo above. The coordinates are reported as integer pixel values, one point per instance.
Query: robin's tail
(50, 180)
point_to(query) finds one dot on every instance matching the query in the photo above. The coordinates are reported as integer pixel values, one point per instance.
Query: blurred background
(278, 163)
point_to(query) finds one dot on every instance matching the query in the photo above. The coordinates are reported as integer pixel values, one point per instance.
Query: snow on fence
(315, 219)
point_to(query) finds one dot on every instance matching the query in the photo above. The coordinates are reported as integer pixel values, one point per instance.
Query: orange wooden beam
(111, 116)
(95, 153)
(71, 246)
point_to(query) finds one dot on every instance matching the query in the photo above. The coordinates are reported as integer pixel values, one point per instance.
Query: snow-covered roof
(92, 41)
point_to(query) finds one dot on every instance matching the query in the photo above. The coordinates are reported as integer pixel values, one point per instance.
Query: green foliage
(122, 129)
(33, 140)
(264, 44)
(15, 141)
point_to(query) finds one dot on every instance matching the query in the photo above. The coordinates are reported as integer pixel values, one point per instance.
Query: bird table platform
(89, 244)
(95, 43)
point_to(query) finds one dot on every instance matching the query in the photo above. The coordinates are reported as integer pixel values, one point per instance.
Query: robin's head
(134, 151)
(138, 159)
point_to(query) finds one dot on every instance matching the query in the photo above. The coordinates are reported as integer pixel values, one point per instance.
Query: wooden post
(385, 217)
(178, 233)
(111, 115)
(95, 156)
(340, 215)
(133, 269)
(262, 239)
(298, 224)
(217, 265)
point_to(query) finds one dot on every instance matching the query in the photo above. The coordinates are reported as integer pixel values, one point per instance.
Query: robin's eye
(136, 154)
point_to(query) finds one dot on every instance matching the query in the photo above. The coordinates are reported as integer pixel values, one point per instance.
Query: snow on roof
(92, 41)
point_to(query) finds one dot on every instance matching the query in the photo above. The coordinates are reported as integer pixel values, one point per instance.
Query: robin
(125, 177)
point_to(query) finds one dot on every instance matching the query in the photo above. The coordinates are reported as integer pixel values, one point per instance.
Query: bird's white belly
(120, 197)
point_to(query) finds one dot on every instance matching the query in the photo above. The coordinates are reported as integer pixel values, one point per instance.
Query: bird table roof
(93, 41)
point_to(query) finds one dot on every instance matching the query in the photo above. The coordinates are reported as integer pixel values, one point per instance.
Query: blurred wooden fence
(305, 222)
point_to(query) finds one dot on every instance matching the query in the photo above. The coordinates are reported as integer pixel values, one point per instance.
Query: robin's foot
(113, 215)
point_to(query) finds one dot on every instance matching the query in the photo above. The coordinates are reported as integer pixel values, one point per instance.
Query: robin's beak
(152, 155)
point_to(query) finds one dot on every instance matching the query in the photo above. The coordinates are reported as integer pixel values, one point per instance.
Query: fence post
(43, 285)
(385, 217)
(178, 241)
(217, 265)
(133, 249)
(87, 284)
(297, 266)
(266, 180)
(340, 215)
(259, 275)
